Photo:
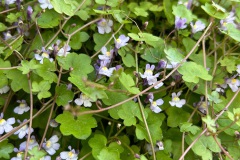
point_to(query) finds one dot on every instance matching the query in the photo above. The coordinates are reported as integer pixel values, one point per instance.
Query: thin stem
(147, 129)
(219, 131)
(224, 151)
(31, 114)
(86, 155)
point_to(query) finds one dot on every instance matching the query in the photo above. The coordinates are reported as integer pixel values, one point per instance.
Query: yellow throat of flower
(176, 98)
(2, 121)
(234, 80)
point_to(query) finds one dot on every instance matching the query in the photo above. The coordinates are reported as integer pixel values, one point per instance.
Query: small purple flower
(23, 107)
(230, 19)
(198, 26)
(4, 89)
(107, 55)
(84, 100)
(104, 26)
(32, 143)
(160, 145)
(51, 146)
(45, 4)
(7, 35)
(233, 83)
(6, 125)
(176, 101)
(29, 13)
(45, 54)
(8, 2)
(104, 70)
(61, 51)
(71, 155)
(180, 23)
(121, 41)
(23, 131)
(20, 153)
(155, 104)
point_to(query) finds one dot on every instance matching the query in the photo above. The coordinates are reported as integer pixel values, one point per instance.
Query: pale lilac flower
(233, 84)
(160, 145)
(20, 154)
(8, 2)
(238, 69)
(220, 88)
(104, 26)
(148, 74)
(198, 26)
(32, 143)
(44, 54)
(104, 70)
(23, 107)
(186, 3)
(45, 4)
(29, 13)
(84, 100)
(71, 155)
(61, 51)
(107, 55)
(176, 101)
(23, 131)
(202, 105)
(155, 104)
(180, 23)
(149, 148)
(4, 89)
(229, 20)
(121, 41)
(6, 125)
(51, 146)
(53, 123)
(7, 35)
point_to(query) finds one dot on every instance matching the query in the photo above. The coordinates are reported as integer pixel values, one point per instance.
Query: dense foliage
(116, 79)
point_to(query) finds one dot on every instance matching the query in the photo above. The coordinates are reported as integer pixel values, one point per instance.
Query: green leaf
(100, 40)
(128, 83)
(13, 17)
(83, 14)
(77, 39)
(2, 27)
(92, 90)
(18, 80)
(28, 66)
(183, 12)
(112, 3)
(176, 116)
(188, 44)
(97, 143)
(154, 122)
(152, 55)
(3, 77)
(46, 71)
(5, 149)
(80, 127)
(214, 97)
(36, 154)
(188, 127)
(64, 6)
(15, 46)
(128, 112)
(211, 125)
(42, 89)
(49, 19)
(111, 152)
(63, 95)
(140, 12)
(79, 64)
(229, 63)
(233, 32)
(192, 71)
(213, 12)
(167, 6)
(173, 55)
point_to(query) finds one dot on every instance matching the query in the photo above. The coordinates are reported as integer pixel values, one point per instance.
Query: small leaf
(42, 89)
(211, 125)
(80, 127)
(214, 97)
(28, 66)
(188, 127)
(49, 19)
(192, 71)
(80, 64)
(173, 55)
(229, 63)
(63, 95)
(212, 11)
(2, 27)
(64, 6)
(36, 154)
(83, 14)
(128, 83)
(176, 116)
(233, 32)
(111, 152)
(183, 12)
(77, 39)
(97, 143)
(152, 55)
(15, 46)
(167, 6)
(46, 71)
(5, 149)
(13, 17)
